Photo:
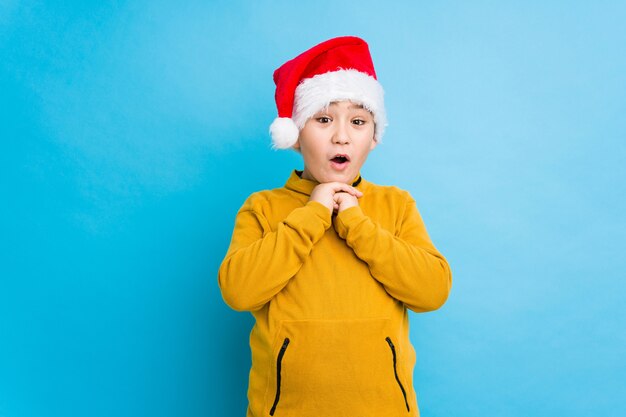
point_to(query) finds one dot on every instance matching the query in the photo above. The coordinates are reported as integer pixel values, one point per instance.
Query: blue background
(132, 132)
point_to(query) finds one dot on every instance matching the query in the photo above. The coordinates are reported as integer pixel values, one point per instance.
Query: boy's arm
(407, 264)
(260, 262)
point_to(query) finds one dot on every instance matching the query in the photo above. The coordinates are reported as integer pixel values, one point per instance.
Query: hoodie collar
(304, 186)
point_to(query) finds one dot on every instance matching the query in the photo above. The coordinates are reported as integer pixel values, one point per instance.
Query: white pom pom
(284, 133)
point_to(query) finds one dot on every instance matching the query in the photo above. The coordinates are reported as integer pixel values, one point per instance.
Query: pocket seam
(395, 371)
(279, 361)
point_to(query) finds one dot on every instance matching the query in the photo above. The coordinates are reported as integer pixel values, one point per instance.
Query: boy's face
(335, 142)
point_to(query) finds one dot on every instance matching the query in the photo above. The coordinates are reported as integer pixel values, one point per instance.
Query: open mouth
(340, 159)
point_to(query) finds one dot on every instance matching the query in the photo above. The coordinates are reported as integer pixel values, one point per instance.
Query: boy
(329, 263)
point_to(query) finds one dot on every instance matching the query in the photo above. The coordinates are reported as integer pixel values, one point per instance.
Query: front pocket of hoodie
(343, 367)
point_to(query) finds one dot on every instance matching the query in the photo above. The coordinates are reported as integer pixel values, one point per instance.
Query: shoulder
(387, 192)
(257, 200)
(263, 200)
(386, 204)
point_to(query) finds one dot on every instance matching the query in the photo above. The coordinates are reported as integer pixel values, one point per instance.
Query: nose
(341, 134)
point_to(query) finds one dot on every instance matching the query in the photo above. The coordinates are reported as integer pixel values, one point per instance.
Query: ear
(296, 145)
(373, 143)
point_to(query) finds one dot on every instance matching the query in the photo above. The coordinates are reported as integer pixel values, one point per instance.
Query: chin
(345, 178)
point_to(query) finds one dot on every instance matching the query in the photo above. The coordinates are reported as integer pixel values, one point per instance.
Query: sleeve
(406, 263)
(260, 262)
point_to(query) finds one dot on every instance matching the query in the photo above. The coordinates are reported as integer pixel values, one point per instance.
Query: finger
(356, 192)
(340, 186)
(345, 199)
(340, 196)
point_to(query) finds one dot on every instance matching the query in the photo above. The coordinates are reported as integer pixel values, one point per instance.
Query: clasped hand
(336, 196)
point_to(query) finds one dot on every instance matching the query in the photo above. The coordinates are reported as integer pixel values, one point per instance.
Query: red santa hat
(337, 69)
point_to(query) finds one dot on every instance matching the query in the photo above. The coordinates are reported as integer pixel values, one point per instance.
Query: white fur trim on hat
(316, 93)
(284, 133)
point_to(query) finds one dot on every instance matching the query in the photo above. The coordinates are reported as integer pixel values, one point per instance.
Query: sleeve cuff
(311, 220)
(320, 211)
(347, 219)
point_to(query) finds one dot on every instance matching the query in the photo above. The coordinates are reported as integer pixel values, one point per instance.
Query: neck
(354, 182)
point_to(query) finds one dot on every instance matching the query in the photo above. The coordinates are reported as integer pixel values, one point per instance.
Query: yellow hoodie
(330, 295)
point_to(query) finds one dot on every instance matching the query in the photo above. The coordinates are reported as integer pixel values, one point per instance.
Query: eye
(323, 119)
(359, 122)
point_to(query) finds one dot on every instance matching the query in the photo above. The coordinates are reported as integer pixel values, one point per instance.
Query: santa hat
(337, 69)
